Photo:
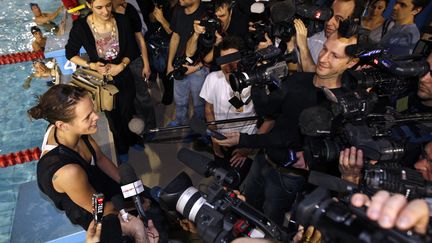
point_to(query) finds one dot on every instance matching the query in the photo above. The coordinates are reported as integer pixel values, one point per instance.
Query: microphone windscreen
(117, 201)
(364, 50)
(136, 125)
(315, 121)
(282, 11)
(257, 8)
(329, 182)
(410, 69)
(127, 174)
(111, 229)
(197, 162)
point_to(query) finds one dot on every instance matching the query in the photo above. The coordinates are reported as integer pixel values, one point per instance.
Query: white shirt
(217, 91)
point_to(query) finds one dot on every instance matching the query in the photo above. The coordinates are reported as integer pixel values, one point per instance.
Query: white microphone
(136, 125)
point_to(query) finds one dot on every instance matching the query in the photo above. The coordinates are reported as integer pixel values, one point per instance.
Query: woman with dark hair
(72, 166)
(374, 20)
(106, 38)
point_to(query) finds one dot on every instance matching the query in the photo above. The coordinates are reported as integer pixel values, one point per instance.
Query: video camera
(396, 179)
(391, 177)
(338, 221)
(264, 67)
(390, 76)
(283, 13)
(349, 122)
(218, 214)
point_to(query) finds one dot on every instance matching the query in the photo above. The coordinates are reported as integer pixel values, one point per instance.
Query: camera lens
(189, 203)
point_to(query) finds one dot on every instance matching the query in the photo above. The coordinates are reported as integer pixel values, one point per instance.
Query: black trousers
(119, 117)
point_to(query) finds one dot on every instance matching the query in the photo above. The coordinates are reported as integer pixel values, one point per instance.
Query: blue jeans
(271, 191)
(191, 84)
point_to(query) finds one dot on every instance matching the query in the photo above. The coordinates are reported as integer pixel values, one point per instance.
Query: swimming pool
(17, 132)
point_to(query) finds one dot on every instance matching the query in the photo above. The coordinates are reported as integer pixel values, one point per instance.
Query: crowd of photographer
(313, 112)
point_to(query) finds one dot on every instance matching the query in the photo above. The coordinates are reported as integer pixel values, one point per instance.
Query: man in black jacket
(270, 186)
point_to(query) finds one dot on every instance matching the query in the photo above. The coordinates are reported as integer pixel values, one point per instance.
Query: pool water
(17, 132)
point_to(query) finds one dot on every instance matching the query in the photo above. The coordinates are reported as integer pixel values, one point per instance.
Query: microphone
(197, 162)
(257, 8)
(132, 187)
(118, 202)
(205, 167)
(228, 58)
(410, 69)
(282, 11)
(365, 50)
(98, 202)
(332, 183)
(200, 127)
(136, 125)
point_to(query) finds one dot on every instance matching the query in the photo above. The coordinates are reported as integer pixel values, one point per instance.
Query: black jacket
(82, 36)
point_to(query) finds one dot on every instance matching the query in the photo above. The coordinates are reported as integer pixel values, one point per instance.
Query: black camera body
(394, 178)
(211, 25)
(266, 66)
(179, 72)
(338, 221)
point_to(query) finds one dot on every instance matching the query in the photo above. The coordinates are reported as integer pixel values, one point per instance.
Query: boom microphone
(136, 125)
(200, 127)
(410, 69)
(132, 187)
(206, 167)
(282, 11)
(197, 162)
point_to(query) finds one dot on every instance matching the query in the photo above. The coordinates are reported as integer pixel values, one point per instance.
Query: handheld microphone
(98, 206)
(132, 187)
(200, 127)
(118, 202)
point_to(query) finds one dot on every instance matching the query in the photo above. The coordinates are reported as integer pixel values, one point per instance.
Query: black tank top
(61, 156)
